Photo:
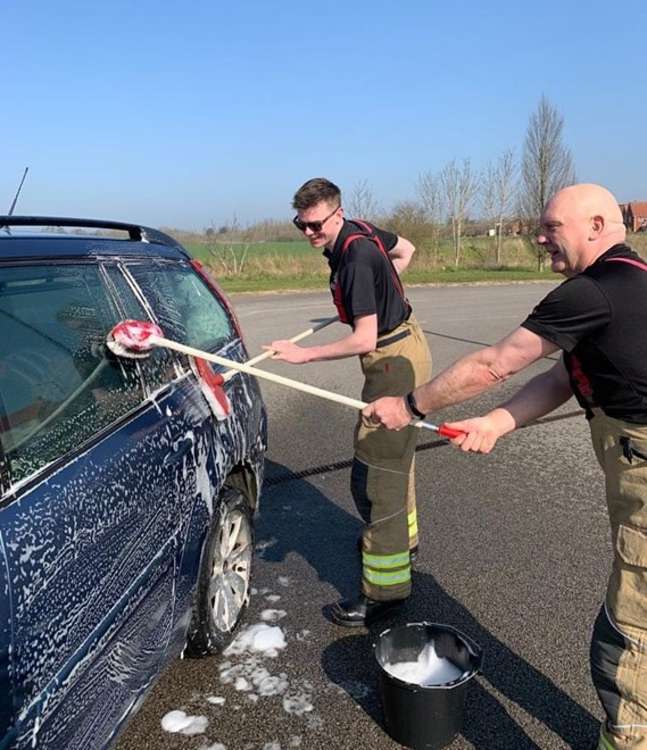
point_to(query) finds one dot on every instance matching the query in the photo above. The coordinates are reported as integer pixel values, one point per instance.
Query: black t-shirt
(365, 277)
(599, 319)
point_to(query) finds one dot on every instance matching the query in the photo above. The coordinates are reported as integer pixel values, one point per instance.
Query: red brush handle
(449, 432)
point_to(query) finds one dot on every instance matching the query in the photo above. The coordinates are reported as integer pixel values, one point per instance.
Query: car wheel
(225, 577)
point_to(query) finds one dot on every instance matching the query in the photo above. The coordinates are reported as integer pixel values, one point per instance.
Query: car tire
(225, 577)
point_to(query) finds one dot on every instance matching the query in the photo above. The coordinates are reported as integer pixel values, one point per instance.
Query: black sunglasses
(313, 226)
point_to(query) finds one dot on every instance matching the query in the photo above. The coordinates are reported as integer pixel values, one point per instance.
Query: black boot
(361, 611)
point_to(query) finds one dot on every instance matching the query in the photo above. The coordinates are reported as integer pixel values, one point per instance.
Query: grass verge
(317, 282)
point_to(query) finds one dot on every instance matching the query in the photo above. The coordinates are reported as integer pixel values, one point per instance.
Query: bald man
(598, 318)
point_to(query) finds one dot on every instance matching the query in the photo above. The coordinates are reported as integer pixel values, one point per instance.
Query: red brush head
(133, 337)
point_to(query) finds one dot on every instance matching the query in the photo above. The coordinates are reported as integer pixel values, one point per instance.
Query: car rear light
(207, 276)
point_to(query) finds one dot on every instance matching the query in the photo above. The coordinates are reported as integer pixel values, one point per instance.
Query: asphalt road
(514, 553)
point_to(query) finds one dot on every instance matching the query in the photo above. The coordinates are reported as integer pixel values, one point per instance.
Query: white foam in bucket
(424, 672)
(428, 669)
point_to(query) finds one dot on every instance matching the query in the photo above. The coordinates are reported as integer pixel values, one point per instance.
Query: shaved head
(588, 199)
(578, 225)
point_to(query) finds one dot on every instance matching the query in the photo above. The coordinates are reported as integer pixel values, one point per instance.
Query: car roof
(29, 243)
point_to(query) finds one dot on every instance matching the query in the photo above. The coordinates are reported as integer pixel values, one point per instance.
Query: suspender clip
(628, 451)
(625, 442)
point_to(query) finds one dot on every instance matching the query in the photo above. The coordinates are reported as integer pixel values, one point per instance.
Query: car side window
(159, 368)
(186, 308)
(58, 383)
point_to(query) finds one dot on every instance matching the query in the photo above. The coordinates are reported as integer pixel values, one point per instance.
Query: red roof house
(635, 215)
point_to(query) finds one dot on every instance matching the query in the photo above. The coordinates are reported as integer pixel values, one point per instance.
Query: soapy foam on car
(429, 669)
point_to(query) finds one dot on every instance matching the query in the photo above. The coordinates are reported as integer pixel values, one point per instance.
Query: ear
(597, 227)
(341, 212)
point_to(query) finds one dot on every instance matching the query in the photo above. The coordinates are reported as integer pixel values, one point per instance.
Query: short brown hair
(314, 191)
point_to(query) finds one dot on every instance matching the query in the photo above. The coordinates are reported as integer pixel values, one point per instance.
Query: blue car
(126, 513)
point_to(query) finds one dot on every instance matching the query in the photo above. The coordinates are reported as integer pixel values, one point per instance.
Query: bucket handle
(472, 646)
(474, 649)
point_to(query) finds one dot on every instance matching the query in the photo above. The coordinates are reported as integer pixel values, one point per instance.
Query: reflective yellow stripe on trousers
(380, 569)
(412, 521)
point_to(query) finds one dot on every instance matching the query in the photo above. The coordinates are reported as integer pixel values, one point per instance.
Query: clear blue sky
(184, 114)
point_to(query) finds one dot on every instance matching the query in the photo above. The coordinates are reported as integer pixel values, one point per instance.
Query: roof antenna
(13, 205)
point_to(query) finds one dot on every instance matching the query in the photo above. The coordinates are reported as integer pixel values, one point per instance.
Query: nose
(542, 239)
(308, 232)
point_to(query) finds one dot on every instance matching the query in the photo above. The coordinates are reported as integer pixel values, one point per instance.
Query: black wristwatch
(413, 407)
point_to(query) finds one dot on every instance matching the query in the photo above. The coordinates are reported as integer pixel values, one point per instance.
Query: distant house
(517, 227)
(634, 215)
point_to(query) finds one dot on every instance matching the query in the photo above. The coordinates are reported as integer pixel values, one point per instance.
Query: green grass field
(266, 283)
(256, 250)
(276, 266)
(476, 252)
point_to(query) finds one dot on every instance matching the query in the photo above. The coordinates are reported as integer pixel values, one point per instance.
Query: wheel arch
(247, 481)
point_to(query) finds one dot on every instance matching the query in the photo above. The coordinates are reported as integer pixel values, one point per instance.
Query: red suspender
(373, 237)
(637, 263)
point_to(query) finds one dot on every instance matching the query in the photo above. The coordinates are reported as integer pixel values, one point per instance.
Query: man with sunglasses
(365, 263)
(598, 318)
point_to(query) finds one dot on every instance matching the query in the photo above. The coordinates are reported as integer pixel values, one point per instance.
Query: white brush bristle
(120, 350)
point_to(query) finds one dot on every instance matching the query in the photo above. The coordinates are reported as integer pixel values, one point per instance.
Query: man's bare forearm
(469, 377)
(481, 370)
(541, 395)
(362, 340)
(345, 347)
(465, 379)
(538, 397)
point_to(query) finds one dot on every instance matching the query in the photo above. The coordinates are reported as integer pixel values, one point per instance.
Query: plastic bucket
(425, 716)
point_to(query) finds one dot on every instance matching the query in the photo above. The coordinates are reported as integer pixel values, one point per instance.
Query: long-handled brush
(266, 354)
(136, 338)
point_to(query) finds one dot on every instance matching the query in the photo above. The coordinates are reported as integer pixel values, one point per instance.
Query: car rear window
(186, 308)
(58, 384)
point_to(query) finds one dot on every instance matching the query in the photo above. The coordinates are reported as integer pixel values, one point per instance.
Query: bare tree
(459, 186)
(498, 193)
(230, 255)
(547, 164)
(407, 219)
(431, 198)
(361, 203)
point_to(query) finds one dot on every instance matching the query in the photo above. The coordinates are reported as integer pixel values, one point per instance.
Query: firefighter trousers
(382, 475)
(619, 642)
